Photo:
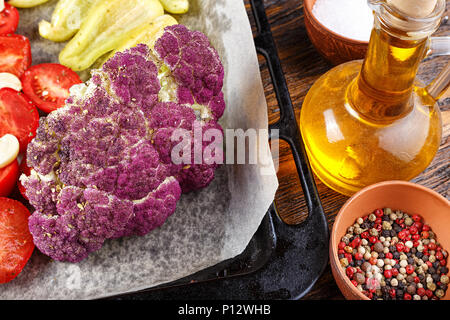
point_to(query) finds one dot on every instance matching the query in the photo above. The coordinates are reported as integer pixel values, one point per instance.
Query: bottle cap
(414, 8)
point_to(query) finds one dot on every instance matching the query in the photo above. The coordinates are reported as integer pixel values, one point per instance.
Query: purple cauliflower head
(102, 164)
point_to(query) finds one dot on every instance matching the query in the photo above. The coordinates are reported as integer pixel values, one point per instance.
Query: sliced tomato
(48, 85)
(16, 242)
(8, 178)
(18, 116)
(23, 169)
(15, 54)
(9, 19)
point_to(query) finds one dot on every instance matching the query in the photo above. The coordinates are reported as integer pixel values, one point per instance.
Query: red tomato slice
(23, 169)
(9, 19)
(16, 242)
(15, 54)
(18, 116)
(8, 178)
(48, 85)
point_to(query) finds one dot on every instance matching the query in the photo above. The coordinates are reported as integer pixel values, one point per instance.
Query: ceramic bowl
(333, 47)
(397, 195)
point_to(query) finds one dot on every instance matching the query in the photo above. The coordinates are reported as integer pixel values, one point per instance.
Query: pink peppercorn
(420, 291)
(373, 239)
(400, 247)
(407, 296)
(402, 234)
(355, 243)
(358, 256)
(388, 273)
(418, 225)
(392, 293)
(348, 256)
(349, 272)
(379, 213)
(409, 269)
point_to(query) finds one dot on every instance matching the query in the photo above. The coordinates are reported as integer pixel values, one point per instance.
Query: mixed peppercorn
(390, 255)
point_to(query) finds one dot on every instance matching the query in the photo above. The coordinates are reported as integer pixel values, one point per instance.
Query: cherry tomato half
(16, 242)
(8, 178)
(15, 54)
(9, 19)
(48, 85)
(23, 169)
(18, 116)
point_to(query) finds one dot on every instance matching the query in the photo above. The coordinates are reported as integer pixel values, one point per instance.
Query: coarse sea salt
(349, 18)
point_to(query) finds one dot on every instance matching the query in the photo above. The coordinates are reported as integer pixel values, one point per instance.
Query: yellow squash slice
(66, 19)
(175, 6)
(106, 26)
(147, 33)
(26, 3)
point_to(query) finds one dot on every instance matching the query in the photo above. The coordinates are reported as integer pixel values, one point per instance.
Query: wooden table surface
(302, 66)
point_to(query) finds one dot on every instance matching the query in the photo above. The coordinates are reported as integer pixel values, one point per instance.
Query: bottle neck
(383, 89)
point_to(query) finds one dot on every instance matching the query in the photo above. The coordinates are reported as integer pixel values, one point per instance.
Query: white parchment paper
(210, 225)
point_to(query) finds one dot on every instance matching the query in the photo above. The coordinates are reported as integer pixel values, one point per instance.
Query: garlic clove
(8, 80)
(9, 149)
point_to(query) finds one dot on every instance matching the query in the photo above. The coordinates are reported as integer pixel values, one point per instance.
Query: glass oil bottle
(369, 121)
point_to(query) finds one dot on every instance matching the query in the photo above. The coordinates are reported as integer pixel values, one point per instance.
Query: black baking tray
(281, 261)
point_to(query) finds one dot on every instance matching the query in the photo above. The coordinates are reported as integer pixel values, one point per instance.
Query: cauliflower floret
(102, 164)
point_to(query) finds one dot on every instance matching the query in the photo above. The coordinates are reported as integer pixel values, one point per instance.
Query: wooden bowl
(397, 195)
(333, 47)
